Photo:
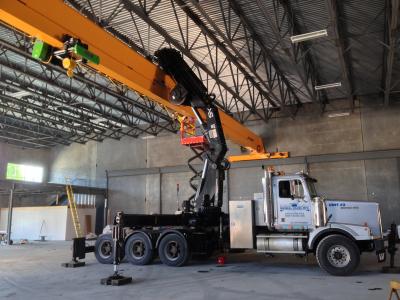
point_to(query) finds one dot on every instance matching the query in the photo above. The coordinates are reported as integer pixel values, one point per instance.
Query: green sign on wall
(24, 172)
(15, 172)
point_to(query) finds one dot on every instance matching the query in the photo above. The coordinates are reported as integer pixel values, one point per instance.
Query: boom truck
(290, 218)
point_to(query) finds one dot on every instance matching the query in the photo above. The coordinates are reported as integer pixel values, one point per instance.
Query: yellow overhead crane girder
(49, 22)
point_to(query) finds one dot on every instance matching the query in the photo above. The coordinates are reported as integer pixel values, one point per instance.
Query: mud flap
(380, 250)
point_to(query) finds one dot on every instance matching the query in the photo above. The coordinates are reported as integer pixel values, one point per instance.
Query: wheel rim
(172, 250)
(138, 249)
(105, 249)
(338, 256)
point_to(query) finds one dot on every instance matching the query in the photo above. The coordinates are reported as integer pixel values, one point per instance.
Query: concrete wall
(310, 133)
(12, 154)
(75, 162)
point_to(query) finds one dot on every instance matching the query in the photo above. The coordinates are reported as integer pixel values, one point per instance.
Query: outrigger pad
(116, 280)
(73, 264)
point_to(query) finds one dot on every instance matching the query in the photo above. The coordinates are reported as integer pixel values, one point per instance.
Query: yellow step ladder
(73, 210)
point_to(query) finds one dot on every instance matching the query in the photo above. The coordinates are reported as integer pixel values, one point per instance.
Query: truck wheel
(138, 249)
(338, 255)
(103, 249)
(173, 250)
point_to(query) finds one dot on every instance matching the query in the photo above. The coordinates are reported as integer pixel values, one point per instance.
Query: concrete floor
(33, 271)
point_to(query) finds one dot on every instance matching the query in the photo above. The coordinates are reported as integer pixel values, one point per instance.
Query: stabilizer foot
(73, 264)
(116, 280)
(118, 239)
(392, 240)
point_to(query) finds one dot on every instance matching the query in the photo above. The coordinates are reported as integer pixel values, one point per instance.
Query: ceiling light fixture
(308, 36)
(19, 94)
(327, 86)
(340, 114)
(148, 137)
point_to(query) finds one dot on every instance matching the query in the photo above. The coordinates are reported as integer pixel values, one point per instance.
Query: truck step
(281, 236)
(281, 252)
(281, 243)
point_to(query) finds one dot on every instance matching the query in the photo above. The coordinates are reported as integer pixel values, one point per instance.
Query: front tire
(338, 255)
(138, 249)
(173, 250)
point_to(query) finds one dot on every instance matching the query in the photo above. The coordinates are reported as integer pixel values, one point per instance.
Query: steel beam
(68, 102)
(17, 134)
(235, 57)
(32, 134)
(118, 61)
(225, 101)
(36, 129)
(21, 141)
(4, 110)
(141, 14)
(7, 103)
(90, 85)
(295, 53)
(339, 38)
(52, 110)
(266, 54)
(52, 106)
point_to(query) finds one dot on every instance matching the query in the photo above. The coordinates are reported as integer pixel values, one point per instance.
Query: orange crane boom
(49, 23)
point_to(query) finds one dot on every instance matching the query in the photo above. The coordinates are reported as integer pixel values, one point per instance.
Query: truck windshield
(311, 188)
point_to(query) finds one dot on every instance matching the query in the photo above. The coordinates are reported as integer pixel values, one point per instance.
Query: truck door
(293, 205)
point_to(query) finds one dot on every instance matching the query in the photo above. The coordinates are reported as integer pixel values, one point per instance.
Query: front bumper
(380, 249)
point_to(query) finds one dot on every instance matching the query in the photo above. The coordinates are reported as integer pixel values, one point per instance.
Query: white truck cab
(292, 218)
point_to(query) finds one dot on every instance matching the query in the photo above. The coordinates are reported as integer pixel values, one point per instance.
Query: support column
(153, 194)
(106, 205)
(10, 212)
